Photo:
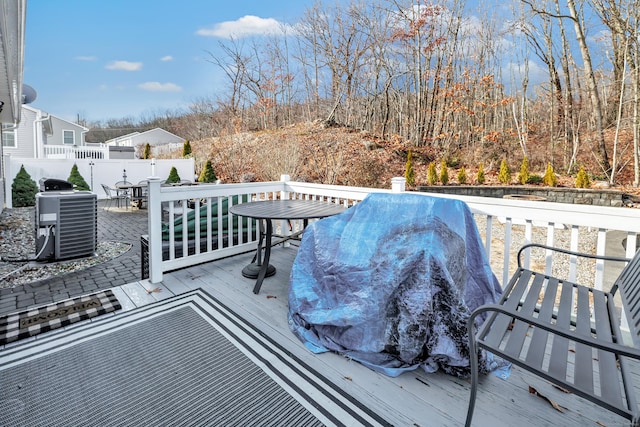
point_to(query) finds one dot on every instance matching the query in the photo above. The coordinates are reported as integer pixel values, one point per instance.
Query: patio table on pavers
(268, 210)
(136, 193)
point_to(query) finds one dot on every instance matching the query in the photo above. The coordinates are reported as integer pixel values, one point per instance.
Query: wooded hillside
(557, 81)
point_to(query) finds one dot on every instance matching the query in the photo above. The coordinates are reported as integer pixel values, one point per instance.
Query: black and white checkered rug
(28, 323)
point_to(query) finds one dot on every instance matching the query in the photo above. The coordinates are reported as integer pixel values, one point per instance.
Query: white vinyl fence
(95, 171)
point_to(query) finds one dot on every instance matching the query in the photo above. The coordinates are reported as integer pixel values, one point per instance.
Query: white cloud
(160, 87)
(85, 58)
(166, 58)
(124, 66)
(248, 25)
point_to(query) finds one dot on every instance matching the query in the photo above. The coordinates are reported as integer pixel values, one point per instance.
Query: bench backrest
(628, 283)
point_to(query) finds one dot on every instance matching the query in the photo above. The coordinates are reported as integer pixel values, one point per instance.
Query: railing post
(398, 184)
(154, 207)
(284, 194)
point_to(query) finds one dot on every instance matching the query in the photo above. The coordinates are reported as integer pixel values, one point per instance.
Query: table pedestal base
(252, 271)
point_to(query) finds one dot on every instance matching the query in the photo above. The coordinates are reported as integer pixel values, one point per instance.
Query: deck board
(414, 398)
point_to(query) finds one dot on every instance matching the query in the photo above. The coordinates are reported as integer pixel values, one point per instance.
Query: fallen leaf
(600, 424)
(271, 296)
(551, 402)
(348, 378)
(156, 290)
(562, 389)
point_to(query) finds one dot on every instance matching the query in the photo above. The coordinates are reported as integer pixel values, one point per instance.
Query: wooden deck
(412, 399)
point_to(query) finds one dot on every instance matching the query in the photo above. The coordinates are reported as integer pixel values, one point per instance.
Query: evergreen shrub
(549, 177)
(523, 176)
(409, 174)
(504, 176)
(582, 179)
(444, 172)
(23, 189)
(432, 176)
(462, 176)
(77, 180)
(480, 178)
(173, 176)
(207, 174)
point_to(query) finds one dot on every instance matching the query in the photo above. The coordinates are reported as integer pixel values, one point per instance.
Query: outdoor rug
(16, 326)
(186, 360)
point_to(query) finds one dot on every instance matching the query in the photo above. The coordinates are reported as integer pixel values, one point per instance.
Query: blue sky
(104, 59)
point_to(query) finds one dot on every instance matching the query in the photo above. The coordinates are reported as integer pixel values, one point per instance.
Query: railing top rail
(581, 215)
(201, 191)
(616, 218)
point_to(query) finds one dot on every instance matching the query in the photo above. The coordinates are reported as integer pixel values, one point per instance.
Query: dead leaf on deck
(271, 296)
(348, 378)
(562, 389)
(156, 290)
(551, 402)
(601, 424)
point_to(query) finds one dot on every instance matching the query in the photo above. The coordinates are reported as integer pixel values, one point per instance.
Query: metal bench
(549, 326)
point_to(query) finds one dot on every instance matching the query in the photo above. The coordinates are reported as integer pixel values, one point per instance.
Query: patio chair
(114, 194)
(140, 193)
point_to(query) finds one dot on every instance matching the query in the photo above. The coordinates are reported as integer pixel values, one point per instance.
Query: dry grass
(313, 152)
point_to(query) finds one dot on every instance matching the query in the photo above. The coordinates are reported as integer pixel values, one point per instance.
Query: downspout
(36, 147)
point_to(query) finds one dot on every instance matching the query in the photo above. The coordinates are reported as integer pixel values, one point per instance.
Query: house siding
(58, 125)
(50, 132)
(24, 136)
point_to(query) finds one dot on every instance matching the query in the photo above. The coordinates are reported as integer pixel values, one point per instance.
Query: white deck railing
(528, 218)
(76, 152)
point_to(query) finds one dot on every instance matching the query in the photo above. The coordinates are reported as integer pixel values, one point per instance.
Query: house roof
(49, 116)
(141, 135)
(12, 36)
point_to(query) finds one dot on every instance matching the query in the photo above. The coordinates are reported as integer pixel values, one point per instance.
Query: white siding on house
(37, 129)
(24, 136)
(59, 127)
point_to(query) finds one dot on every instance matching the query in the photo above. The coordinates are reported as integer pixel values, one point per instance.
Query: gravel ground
(17, 241)
(562, 239)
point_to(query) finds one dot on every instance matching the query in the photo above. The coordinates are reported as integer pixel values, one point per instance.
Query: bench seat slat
(520, 330)
(539, 337)
(560, 347)
(583, 372)
(606, 330)
(511, 299)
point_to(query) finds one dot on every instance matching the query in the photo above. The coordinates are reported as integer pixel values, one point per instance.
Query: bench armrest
(568, 252)
(612, 347)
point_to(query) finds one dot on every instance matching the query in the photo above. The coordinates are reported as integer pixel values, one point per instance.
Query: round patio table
(268, 210)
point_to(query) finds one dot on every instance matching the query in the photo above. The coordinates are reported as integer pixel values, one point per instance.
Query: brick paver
(113, 225)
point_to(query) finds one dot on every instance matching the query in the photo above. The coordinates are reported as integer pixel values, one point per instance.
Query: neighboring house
(41, 135)
(160, 141)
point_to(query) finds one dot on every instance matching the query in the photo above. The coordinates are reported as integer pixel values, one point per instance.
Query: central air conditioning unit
(66, 225)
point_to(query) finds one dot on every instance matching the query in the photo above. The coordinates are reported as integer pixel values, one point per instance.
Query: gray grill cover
(391, 282)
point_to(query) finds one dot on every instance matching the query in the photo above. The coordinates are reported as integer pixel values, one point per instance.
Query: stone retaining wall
(550, 194)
